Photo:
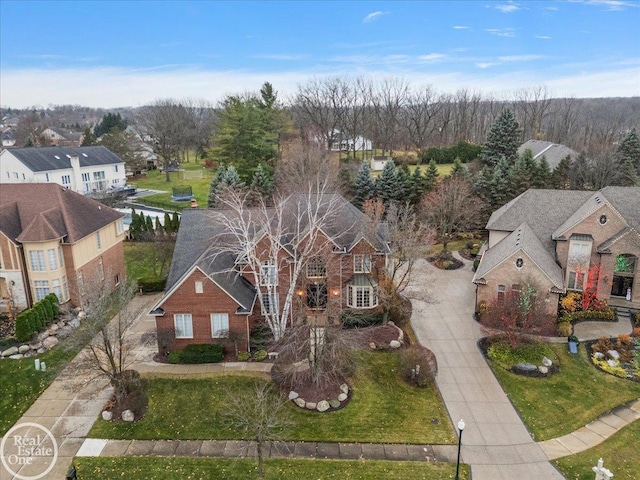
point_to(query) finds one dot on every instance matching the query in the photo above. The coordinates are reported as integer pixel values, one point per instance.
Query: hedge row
(360, 320)
(151, 284)
(198, 353)
(34, 319)
(606, 314)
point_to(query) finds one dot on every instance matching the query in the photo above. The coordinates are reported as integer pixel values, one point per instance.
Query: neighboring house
(86, 170)
(62, 137)
(8, 140)
(210, 293)
(55, 240)
(346, 143)
(378, 162)
(552, 239)
(553, 152)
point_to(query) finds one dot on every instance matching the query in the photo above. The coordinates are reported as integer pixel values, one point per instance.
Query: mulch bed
(445, 261)
(466, 254)
(6, 327)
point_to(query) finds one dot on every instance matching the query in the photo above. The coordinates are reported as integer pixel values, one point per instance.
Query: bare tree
(388, 100)
(419, 118)
(450, 208)
(261, 416)
(303, 161)
(533, 106)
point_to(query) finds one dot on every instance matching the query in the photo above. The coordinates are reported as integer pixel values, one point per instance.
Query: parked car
(122, 190)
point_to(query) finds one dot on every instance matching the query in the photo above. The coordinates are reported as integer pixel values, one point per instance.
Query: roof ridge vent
(57, 157)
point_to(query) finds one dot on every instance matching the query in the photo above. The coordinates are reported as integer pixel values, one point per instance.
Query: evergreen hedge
(36, 318)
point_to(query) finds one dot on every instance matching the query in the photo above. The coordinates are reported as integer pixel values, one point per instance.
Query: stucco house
(212, 293)
(86, 170)
(552, 239)
(53, 240)
(553, 152)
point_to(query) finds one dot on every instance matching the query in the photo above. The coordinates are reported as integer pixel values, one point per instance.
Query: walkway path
(495, 442)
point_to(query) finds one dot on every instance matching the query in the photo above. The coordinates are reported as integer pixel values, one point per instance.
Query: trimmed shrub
(260, 337)
(360, 320)
(260, 355)
(243, 356)
(23, 327)
(55, 304)
(603, 315)
(174, 357)
(202, 353)
(151, 284)
(418, 365)
(564, 329)
(636, 318)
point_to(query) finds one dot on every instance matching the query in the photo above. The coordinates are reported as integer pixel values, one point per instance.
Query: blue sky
(108, 54)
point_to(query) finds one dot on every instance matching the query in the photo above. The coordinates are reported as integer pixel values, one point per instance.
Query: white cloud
(501, 32)
(283, 57)
(460, 27)
(485, 64)
(507, 7)
(373, 16)
(553, 9)
(612, 5)
(432, 57)
(520, 58)
(543, 37)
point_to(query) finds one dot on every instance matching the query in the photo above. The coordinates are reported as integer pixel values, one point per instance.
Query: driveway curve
(495, 442)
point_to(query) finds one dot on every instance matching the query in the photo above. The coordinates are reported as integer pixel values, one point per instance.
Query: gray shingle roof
(525, 240)
(57, 158)
(553, 152)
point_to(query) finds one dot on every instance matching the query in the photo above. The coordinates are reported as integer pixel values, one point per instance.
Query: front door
(623, 272)
(620, 285)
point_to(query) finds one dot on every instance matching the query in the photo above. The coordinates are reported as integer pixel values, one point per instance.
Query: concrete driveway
(495, 442)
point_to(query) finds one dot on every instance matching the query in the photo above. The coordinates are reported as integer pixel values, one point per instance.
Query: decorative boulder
(342, 397)
(299, 402)
(546, 362)
(75, 323)
(612, 363)
(10, 351)
(17, 356)
(394, 344)
(23, 349)
(544, 370)
(35, 345)
(64, 332)
(128, 416)
(43, 335)
(41, 350)
(525, 367)
(107, 415)
(82, 315)
(323, 406)
(344, 388)
(293, 395)
(613, 354)
(30, 353)
(310, 405)
(372, 346)
(50, 342)
(334, 403)
(53, 328)
(599, 355)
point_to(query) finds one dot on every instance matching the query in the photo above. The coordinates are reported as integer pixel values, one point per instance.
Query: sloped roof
(553, 152)
(57, 158)
(521, 239)
(67, 134)
(36, 212)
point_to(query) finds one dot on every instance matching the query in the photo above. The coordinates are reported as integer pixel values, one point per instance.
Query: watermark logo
(28, 448)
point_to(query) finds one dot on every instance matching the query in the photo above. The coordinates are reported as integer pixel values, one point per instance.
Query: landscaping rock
(35, 345)
(546, 362)
(107, 415)
(128, 416)
(43, 335)
(344, 388)
(299, 402)
(17, 356)
(23, 349)
(64, 332)
(334, 403)
(30, 353)
(372, 346)
(599, 355)
(10, 351)
(613, 363)
(82, 315)
(342, 397)
(75, 323)
(293, 395)
(613, 354)
(53, 328)
(323, 406)
(310, 405)
(61, 323)
(544, 370)
(50, 342)
(526, 367)
(41, 350)
(394, 344)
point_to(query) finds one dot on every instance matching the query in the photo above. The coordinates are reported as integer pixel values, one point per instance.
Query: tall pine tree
(431, 176)
(388, 184)
(503, 140)
(364, 187)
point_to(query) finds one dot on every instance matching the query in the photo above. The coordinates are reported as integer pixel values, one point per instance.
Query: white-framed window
(574, 280)
(42, 288)
(116, 279)
(47, 177)
(183, 325)
(578, 263)
(66, 180)
(316, 268)
(53, 263)
(361, 296)
(60, 257)
(98, 175)
(199, 286)
(86, 177)
(115, 168)
(80, 283)
(16, 176)
(501, 293)
(65, 288)
(37, 260)
(268, 273)
(219, 325)
(362, 263)
(119, 227)
(55, 284)
(98, 242)
(269, 303)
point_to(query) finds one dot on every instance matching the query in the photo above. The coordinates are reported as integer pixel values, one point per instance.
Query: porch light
(299, 293)
(335, 292)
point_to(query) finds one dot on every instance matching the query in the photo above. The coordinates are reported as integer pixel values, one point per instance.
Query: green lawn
(169, 468)
(383, 409)
(619, 452)
(554, 406)
(443, 169)
(138, 265)
(21, 384)
(155, 180)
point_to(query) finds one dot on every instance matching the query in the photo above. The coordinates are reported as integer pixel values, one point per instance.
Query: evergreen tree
(225, 177)
(522, 174)
(560, 174)
(543, 176)
(158, 227)
(431, 177)
(364, 186)
(213, 187)
(88, 138)
(459, 169)
(417, 186)
(261, 182)
(168, 226)
(135, 228)
(628, 156)
(149, 225)
(388, 184)
(175, 222)
(404, 183)
(503, 140)
(108, 122)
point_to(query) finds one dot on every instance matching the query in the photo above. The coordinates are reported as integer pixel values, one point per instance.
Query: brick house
(55, 240)
(553, 238)
(214, 295)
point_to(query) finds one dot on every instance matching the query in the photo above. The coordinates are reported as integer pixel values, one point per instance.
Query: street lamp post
(460, 429)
